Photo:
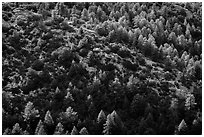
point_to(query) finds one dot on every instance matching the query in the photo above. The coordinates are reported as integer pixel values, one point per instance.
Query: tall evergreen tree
(113, 125)
(83, 131)
(7, 131)
(41, 130)
(49, 123)
(40, 123)
(74, 131)
(59, 130)
(30, 112)
(101, 117)
(16, 130)
(85, 14)
(68, 118)
(101, 120)
(48, 118)
(182, 128)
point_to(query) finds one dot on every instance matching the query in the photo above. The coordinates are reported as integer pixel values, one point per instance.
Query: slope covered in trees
(101, 68)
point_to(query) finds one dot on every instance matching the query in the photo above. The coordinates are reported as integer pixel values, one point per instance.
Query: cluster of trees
(101, 68)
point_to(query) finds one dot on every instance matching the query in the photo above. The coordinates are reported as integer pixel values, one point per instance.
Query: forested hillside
(101, 68)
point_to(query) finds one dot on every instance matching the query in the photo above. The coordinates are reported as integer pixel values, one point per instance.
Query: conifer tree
(7, 131)
(85, 14)
(100, 13)
(113, 125)
(101, 117)
(61, 9)
(140, 41)
(101, 120)
(25, 132)
(59, 130)
(40, 123)
(30, 112)
(74, 131)
(182, 128)
(83, 131)
(74, 10)
(108, 125)
(48, 119)
(69, 96)
(68, 100)
(49, 123)
(69, 115)
(58, 93)
(41, 130)
(68, 118)
(190, 101)
(112, 14)
(16, 130)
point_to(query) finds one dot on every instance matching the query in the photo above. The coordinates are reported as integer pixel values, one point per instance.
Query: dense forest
(104, 68)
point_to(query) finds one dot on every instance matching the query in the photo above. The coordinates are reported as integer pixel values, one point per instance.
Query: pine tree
(68, 118)
(59, 95)
(172, 37)
(30, 112)
(57, 90)
(7, 131)
(41, 9)
(140, 41)
(74, 131)
(48, 119)
(59, 130)
(61, 9)
(67, 133)
(101, 117)
(40, 123)
(101, 120)
(83, 131)
(16, 130)
(112, 14)
(49, 123)
(69, 96)
(74, 10)
(41, 130)
(190, 101)
(182, 41)
(69, 115)
(182, 128)
(99, 13)
(113, 125)
(68, 100)
(85, 14)
(108, 125)
(25, 132)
